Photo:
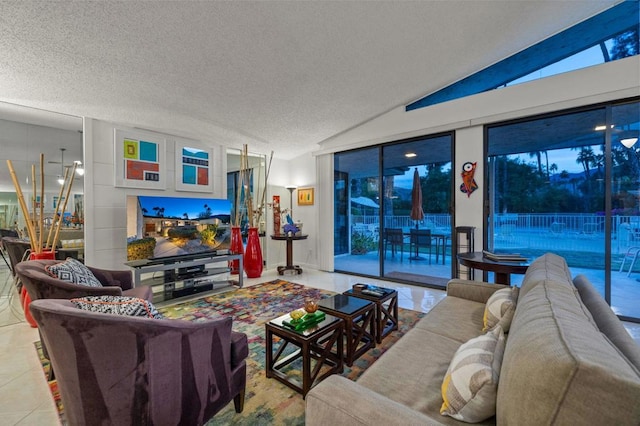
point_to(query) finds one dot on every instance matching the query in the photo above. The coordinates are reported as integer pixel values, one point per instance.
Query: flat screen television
(169, 227)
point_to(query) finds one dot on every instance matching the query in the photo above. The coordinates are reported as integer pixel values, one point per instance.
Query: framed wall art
(193, 167)
(139, 160)
(305, 196)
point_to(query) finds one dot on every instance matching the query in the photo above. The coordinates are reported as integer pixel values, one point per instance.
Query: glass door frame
(607, 108)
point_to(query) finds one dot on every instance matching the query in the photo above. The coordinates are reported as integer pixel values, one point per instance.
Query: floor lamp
(291, 189)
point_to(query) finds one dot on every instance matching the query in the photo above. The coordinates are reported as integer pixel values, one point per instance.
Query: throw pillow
(73, 271)
(118, 305)
(500, 309)
(470, 387)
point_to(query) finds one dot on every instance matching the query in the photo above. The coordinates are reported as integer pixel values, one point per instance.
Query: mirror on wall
(256, 176)
(25, 133)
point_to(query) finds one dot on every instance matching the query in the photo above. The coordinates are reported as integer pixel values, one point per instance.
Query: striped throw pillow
(470, 387)
(500, 309)
(118, 305)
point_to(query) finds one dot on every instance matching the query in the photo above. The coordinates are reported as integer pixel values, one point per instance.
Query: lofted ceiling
(280, 76)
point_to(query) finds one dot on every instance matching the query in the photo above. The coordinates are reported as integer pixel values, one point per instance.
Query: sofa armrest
(340, 401)
(478, 291)
(108, 278)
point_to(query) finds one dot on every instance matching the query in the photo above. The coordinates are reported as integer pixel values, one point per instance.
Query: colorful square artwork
(195, 165)
(139, 160)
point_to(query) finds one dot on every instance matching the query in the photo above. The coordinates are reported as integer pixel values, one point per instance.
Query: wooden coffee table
(386, 310)
(358, 315)
(315, 343)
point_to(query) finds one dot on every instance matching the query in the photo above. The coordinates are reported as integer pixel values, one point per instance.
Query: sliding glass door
(392, 211)
(416, 202)
(568, 183)
(357, 211)
(624, 203)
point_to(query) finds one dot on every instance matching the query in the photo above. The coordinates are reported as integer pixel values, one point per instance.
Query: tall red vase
(47, 255)
(253, 255)
(236, 247)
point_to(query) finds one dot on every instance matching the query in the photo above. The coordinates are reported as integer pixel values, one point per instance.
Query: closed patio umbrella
(417, 213)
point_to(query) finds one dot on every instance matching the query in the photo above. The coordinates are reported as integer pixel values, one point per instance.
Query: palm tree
(185, 215)
(538, 155)
(585, 158)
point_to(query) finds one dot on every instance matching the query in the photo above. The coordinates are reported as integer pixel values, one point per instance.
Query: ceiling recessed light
(410, 154)
(602, 127)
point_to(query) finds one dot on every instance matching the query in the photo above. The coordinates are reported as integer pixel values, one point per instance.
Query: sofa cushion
(74, 272)
(558, 368)
(548, 266)
(500, 308)
(455, 318)
(469, 388)
(607, 321)
(411, 372)
(118, 305)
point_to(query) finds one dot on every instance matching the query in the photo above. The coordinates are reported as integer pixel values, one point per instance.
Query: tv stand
(185, 276)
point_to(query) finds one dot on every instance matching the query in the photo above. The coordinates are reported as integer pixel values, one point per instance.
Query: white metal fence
(551, 231)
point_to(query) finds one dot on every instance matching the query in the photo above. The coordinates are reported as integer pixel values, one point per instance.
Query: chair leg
(238, 401)
(633, 261)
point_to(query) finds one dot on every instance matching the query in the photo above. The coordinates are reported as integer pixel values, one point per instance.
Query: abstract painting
(193, 167)
(139, 160)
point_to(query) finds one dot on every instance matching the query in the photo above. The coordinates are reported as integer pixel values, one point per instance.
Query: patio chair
(17, 250)
(419, 238)
(125, 370)
(631, 254)
(395, 238)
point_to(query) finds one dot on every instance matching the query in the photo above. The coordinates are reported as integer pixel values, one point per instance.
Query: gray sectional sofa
(568, 360)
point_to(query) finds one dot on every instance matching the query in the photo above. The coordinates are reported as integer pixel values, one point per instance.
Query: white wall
(469, 147)
(299, 172)
(614, 80)
(106, 205)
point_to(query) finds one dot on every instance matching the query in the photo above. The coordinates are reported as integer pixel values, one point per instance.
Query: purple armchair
(122, 370)
(41, 285)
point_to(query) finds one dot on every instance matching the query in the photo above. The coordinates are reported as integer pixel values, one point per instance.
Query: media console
(181, 276)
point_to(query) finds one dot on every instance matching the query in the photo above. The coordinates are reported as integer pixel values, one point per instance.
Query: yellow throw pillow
(500, 309)
(470, 387)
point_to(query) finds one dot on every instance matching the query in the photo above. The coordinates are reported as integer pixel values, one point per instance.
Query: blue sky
(177, 206)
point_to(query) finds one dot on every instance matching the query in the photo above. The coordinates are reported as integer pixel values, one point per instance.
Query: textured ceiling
(280, 76)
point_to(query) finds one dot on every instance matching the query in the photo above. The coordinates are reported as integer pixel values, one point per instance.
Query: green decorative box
(305, 322)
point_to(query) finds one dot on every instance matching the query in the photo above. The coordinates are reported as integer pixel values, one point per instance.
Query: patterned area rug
(268, 401)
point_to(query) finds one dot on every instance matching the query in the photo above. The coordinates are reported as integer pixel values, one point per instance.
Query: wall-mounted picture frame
(140, 160)
(194, 163)
(57, 200)
(305, 196)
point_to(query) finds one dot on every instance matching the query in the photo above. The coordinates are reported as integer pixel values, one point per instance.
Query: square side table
(386, 313)
(315, 343)
(358, 315)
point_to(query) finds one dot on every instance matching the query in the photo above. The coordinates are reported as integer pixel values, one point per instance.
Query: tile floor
(24, 394)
